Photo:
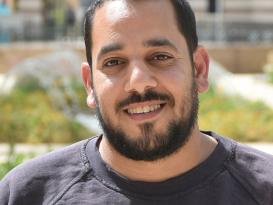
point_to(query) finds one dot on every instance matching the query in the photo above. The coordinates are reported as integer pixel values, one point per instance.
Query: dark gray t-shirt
(234, 174)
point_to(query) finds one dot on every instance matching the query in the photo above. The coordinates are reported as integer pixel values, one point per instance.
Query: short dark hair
(184, 15)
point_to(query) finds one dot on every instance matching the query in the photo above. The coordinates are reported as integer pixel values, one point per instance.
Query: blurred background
(42, 100)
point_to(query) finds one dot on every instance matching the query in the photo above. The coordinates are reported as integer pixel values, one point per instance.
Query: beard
(152, 145)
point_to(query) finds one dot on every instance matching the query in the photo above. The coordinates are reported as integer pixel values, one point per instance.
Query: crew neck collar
(180, 184)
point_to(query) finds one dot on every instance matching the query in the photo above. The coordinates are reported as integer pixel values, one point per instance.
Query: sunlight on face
(120, 11)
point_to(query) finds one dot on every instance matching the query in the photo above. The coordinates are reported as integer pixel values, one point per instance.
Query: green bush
(28, 84)
(235, 117)
(29, 117)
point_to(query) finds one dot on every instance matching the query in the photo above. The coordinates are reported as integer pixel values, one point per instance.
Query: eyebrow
(109, 48)
(159, 42)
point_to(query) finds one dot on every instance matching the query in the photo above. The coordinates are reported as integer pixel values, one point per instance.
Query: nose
(140, 78)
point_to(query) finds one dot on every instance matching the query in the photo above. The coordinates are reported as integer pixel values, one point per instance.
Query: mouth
(144, 112)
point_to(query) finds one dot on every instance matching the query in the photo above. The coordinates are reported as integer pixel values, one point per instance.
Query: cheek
(177, 71)
(107, 91)
(102, 88)
(176, 81)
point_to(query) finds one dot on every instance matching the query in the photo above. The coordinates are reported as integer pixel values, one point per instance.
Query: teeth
(144, 109)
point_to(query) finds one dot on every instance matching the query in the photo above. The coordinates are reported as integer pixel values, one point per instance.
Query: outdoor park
(43, 102)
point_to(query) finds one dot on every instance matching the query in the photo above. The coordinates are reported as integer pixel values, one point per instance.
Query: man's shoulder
(253, 170)
(45, 175)
(252, 161)
(50, 162)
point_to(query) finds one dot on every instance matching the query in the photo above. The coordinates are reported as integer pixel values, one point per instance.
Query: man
(144, 72)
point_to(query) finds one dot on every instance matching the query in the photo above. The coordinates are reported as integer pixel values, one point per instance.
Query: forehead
(117, 11)
(130, 22)
(115, 14)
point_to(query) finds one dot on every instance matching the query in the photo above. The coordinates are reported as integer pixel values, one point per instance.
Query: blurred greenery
(78, 89)
(28, 116)
(235, 117)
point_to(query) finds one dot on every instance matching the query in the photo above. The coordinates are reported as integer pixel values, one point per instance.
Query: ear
(201, 66)
(87, 81)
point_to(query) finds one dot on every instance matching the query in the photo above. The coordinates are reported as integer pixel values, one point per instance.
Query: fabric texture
(234, 174)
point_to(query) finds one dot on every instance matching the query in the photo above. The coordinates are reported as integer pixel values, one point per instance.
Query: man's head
(146, 73)
(184, 15)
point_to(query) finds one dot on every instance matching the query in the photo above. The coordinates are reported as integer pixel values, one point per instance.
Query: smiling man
(143, 78)
(144, 72)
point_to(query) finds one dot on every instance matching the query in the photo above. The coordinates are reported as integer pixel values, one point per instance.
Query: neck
(195, 151)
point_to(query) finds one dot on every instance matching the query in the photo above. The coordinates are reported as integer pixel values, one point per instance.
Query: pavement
(6, 83)
(27, 149)
(265, 147)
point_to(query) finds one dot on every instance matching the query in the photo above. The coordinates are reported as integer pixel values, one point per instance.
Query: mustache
(149, 95)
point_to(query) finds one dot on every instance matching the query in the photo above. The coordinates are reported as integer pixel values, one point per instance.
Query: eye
(163, 60)
(113, 65)
(113, 62)
(161, 57)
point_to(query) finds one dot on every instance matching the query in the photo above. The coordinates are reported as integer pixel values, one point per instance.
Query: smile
(145, 109)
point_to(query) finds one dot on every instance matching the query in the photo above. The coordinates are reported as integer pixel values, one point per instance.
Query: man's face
(143, 80)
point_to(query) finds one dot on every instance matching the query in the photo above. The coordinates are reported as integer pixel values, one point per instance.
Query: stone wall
(12, 54)
(241, 58)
